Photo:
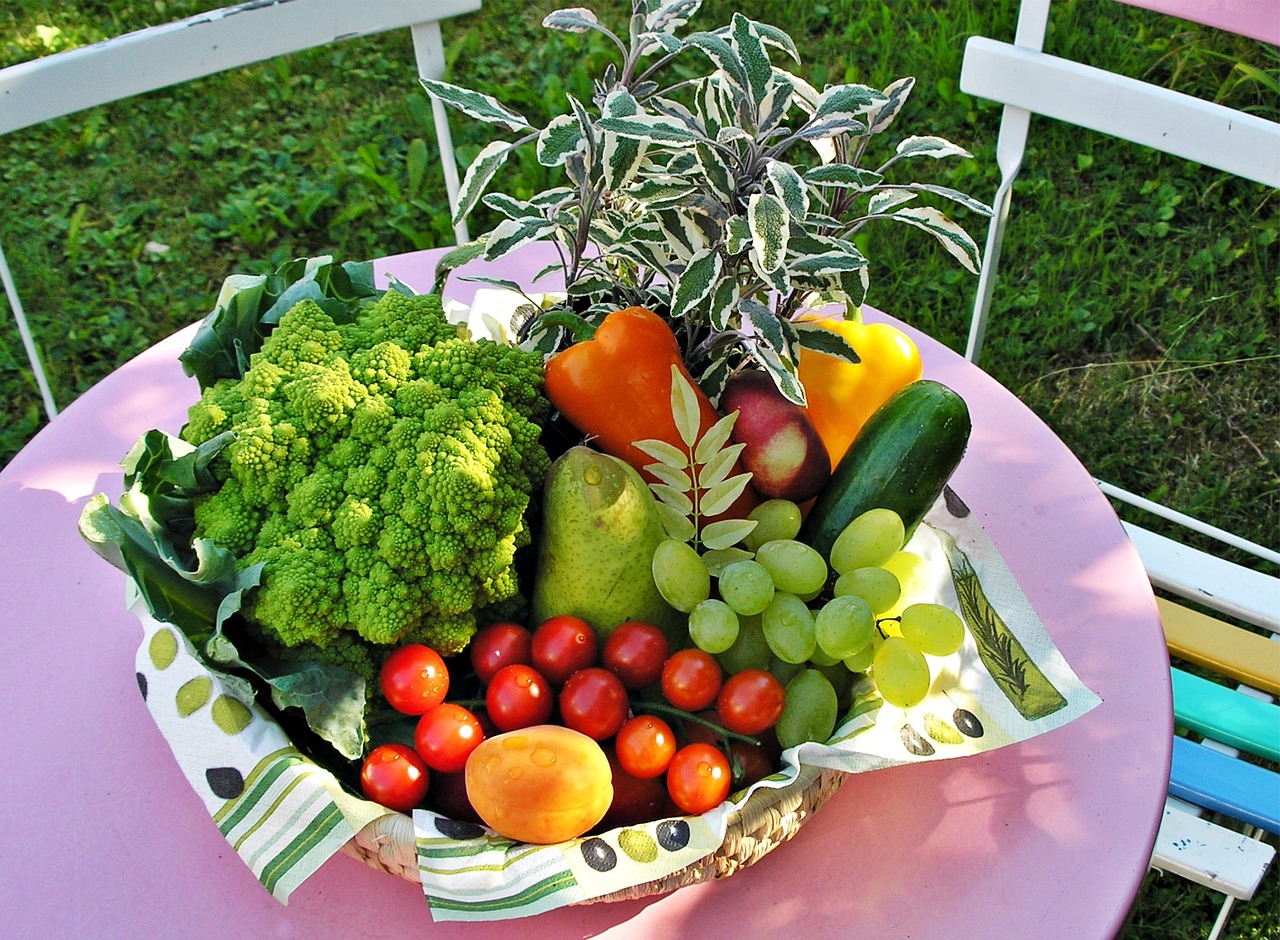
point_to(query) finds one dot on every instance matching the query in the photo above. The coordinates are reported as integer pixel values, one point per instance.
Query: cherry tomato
(518, 696)
(750, 762)
(698, 778)
(635, 652)
(395, 776)
(645, 746)
(562, 646)
(414, 679)
(750, 701)
(497, 645)
(635, 800)
(691, 679)
(446, 736)
(594, 703)
(448, 796)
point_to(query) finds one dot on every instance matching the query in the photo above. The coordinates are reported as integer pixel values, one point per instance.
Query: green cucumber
(900, 460)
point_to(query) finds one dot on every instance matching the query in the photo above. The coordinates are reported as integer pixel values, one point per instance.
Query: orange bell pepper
(616, 388)
(843, 395)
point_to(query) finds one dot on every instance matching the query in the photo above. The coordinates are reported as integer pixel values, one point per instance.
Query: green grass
(1138, 311)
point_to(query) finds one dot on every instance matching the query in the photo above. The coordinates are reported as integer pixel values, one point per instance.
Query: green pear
(600, 526)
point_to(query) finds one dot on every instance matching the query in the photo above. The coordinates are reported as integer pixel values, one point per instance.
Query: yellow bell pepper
(843, 395)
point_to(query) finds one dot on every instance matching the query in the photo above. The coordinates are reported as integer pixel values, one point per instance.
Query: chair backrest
(1028, 81)
(53, 86)
(1208, 775)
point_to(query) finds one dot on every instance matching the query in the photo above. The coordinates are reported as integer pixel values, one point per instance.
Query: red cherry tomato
(635, 800)
(594, 703)
(635, 652)
(446, 736)
(698, 778)
(448, 796)
(518, 696)
(562, 646)
(645, 746)
(750, 701)
(414, 679)
(750, 762)
(691, 679)
(497, 645)
(395, 776)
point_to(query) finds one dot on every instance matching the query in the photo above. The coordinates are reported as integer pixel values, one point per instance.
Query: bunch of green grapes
(775, 603)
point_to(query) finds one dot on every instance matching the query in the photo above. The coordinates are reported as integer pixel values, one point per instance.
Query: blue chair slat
(1225, 715)
(1224, 784)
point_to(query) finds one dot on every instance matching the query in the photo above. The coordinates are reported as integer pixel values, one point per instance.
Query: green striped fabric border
(284, 824)
(484, 877)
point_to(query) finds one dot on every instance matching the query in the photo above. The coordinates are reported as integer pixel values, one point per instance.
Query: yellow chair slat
(1228, 650)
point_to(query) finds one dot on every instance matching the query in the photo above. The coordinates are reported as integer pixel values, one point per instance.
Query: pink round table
(1048, 838)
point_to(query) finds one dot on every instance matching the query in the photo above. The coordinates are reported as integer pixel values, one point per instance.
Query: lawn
(1138, 313)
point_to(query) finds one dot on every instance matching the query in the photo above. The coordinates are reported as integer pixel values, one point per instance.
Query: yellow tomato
(542, 785)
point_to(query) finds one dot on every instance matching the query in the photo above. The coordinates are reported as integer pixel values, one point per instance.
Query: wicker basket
(770, 817)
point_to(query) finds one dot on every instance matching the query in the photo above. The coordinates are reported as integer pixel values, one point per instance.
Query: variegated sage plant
(728, 203)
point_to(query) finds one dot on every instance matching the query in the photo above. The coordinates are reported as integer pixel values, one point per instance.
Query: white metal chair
(1028, 81)
(53, 86)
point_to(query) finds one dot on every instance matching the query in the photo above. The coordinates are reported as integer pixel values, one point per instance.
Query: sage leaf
(768, 217)
(895, 97)
(487, 162)
(473, 103)
(754, 58)
(558, 140)
(790, 188)
(843, 175)
(513, 233)
(953, 238)
(572, 20)
(935, 147)
(696, 282)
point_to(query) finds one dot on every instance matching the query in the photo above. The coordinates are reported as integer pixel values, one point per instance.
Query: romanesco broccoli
(381, 471)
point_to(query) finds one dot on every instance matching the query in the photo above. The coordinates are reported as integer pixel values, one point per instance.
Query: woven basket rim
(768, 818)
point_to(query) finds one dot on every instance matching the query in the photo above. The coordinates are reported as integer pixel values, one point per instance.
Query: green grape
(775, 519)
(810, 710)
(932, 629)
(783, 671)
(749, 651)
(788, 628)
(746, 587)
(868, 541)
(879, 587)
(900, 672)
(819, 658)
(843, 626)
(840, 678)
(861, 660)
(681, 577)
(713, 626)
(795, 567)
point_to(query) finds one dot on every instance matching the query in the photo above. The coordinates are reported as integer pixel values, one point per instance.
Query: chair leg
(428, 47)
(1221, 922)
(28, 342)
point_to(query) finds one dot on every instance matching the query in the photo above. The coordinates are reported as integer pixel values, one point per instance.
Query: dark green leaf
(333, 700)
